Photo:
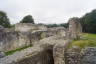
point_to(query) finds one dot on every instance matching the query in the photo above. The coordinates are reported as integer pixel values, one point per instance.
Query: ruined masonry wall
(86, 56)
(25, 27)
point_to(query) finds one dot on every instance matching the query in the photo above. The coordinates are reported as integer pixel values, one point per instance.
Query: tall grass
(86, 40)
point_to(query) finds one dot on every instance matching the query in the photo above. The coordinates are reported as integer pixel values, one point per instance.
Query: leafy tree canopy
(4, 21)
(27, 19)
(88, 22)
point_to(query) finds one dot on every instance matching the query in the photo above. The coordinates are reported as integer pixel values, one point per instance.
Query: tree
(27, 19)
(4, 21)
(64, 25)
(88, 22)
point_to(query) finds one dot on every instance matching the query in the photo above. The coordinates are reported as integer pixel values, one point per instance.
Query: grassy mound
(86, 40)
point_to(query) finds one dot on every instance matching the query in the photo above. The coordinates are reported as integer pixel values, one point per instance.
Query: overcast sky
(46, 11)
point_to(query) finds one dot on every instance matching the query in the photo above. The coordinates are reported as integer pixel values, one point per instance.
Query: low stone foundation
(73, 58)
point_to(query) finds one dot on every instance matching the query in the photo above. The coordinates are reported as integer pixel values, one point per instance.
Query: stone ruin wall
(43, 53)
(48, 53)
(25, 34)
(12, 39)
(26, 27)
(75, 28)
(86, 56)
(56, 55)
(44, 57)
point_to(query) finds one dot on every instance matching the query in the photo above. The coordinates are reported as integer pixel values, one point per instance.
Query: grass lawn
(86, 40)
(13, 51)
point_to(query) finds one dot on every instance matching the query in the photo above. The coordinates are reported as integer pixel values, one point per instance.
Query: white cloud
(46, 11)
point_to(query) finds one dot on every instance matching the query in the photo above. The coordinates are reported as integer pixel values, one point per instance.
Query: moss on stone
(13, 51)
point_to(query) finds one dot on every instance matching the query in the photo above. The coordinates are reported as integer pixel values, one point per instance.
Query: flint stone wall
(58, 31)
(41, 53)
(72, 58)
(52, 50)
(86, 56)
(10, 39)
(45, 57)
(75, 28)
(26, 27)
(13, 40)
(89, 55)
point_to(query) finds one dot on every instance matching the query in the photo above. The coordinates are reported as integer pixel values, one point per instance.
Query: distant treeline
(57, 25)
(88, 21)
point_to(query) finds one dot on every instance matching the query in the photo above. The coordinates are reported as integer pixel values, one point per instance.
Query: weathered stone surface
(86, 56)
(49, 45)
(26, 27)
(72, 58)
(45, 45)
(59, 52)
(75, 28)
(89, 55)
(44, 57)
(12, 40)
(58, 31)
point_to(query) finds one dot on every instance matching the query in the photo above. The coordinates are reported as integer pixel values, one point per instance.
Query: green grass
(13, 51)
(86, 40)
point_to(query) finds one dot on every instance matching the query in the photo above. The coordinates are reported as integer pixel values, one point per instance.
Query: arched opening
(44, 57)
(47, 57)
(49, 53)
